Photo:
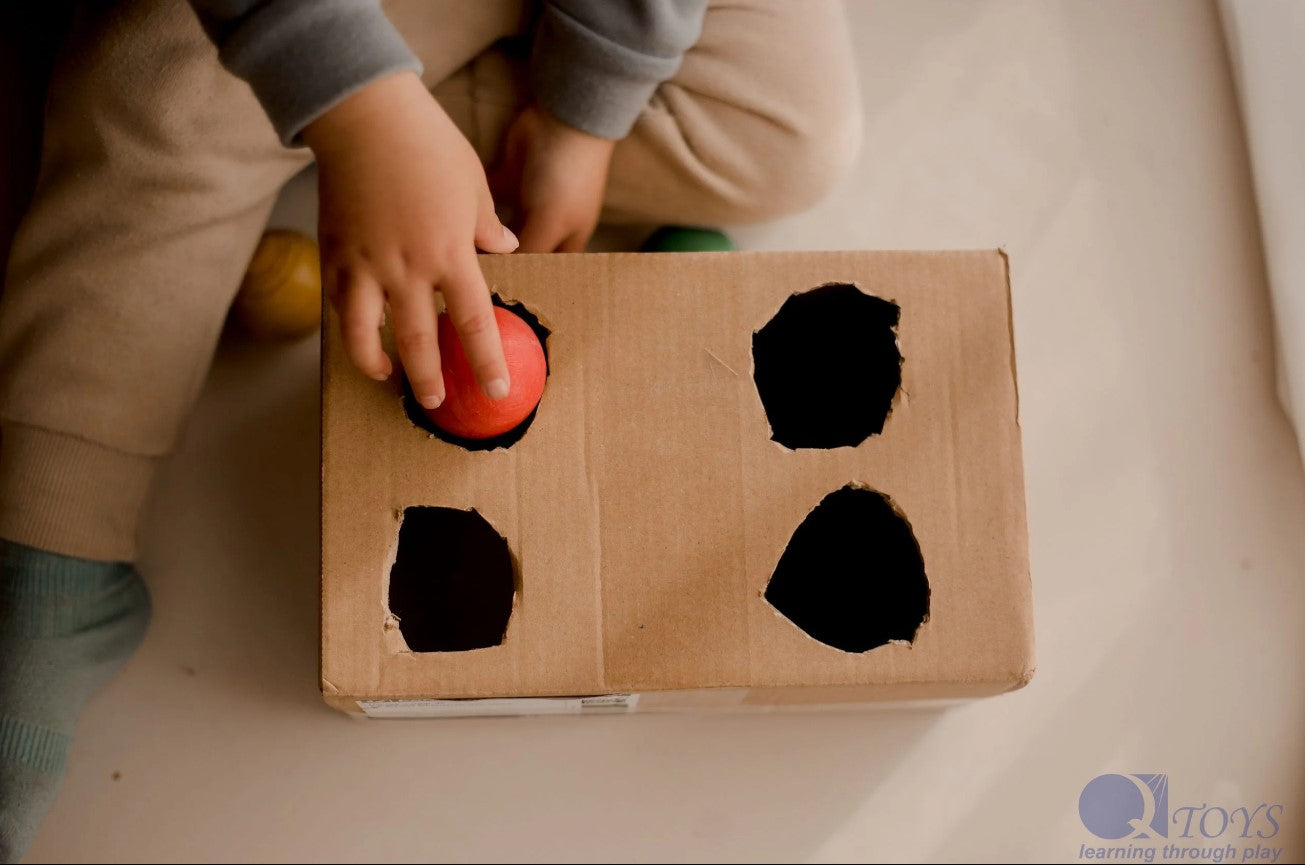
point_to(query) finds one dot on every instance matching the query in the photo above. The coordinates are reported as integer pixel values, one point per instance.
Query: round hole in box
(418, 415)
(827, 367)
(452, 581)
(852, 575)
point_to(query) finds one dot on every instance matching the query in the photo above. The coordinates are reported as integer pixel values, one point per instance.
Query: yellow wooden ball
(281, 295)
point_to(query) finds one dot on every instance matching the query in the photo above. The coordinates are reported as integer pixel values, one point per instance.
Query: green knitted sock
(66, 626)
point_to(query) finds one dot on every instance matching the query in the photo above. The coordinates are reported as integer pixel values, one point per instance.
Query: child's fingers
(332, 280)
(415, 336)
(504, 176)
(492, 235)
(541, 234)
(503, 187)
(362, 309)
(472, 313)
(576, 242)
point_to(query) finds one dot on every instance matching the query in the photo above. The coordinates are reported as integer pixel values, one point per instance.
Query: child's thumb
(492, 235)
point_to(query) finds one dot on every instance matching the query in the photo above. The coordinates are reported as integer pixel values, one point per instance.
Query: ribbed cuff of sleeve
(302, 59)
(71, 496)
(590, 82)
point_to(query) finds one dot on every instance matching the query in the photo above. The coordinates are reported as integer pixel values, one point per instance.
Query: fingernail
(497, 389)
(509, 237)
(430, 401)
(380, 376)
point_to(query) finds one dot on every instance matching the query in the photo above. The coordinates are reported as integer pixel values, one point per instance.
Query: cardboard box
(643, 514)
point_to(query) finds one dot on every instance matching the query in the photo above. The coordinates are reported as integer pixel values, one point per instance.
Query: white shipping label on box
(602, 704)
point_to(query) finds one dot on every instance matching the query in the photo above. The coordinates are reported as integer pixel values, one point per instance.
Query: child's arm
(595, 64)
(403, 206)
(594, 67)
(404, 201)
(301, 57)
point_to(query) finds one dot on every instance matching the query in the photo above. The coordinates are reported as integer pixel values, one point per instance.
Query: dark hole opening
(418, 415)
(452, 583)
(827, 367)
(852, 576)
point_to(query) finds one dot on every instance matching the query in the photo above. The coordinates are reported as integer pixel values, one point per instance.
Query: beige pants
(159, 170)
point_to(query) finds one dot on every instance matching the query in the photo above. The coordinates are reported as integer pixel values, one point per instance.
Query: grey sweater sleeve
(302, 57)
(596, 63)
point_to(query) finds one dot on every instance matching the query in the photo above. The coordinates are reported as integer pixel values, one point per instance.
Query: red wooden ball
(466, 411)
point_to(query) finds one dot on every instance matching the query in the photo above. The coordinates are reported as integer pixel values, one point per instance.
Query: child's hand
(555, 175)
(403, 206)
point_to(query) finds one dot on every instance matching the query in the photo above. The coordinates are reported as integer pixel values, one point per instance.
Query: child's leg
(28, 35)
(66, 626)
(762, 119)
(158, 171)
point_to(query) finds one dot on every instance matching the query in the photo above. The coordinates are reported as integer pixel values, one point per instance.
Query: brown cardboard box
(646, 507)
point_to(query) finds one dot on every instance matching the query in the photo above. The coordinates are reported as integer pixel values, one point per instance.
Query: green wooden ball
(679, 238)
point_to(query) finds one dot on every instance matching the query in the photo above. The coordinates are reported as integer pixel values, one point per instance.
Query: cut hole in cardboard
(852, 575)
(827, 367)
(452, 582)
(418, 415)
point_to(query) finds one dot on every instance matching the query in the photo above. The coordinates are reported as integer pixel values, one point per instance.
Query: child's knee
(768, 123)
(800, 164)
(757, 165)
